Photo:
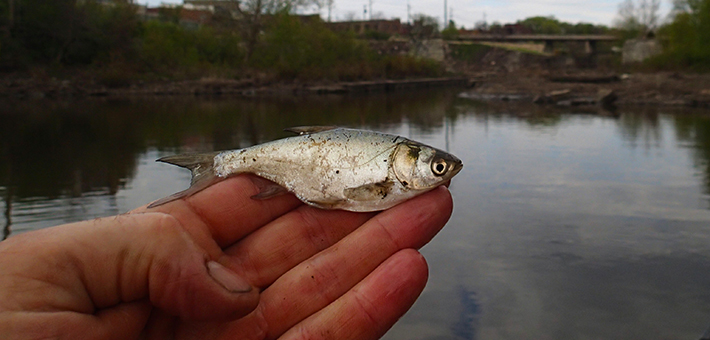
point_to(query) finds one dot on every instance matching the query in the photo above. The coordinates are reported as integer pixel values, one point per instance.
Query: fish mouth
(457, 166)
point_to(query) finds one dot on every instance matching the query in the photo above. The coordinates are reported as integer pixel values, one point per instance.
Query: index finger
(227, 210)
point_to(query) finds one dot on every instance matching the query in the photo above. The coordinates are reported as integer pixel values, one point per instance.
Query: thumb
(152, 256)
(194, 288)
(184, 281)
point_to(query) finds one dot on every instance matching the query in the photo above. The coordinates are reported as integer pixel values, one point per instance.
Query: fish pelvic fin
(202, 167)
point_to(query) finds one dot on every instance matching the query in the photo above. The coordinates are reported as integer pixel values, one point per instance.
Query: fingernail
(227, 278)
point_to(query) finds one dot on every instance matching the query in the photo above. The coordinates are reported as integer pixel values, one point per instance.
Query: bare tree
(350, 16)
(639, 15)
(329, 4)
(379, 15)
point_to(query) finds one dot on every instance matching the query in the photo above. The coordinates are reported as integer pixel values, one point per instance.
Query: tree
(688, 35)
(638, 16)
(329, 4)
(542, 25)
(450, 32)
(350, 16)
(250, 16)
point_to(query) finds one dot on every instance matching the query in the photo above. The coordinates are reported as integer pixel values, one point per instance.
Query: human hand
(294, 271)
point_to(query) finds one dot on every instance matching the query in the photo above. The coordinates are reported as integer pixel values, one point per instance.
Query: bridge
(590, 41)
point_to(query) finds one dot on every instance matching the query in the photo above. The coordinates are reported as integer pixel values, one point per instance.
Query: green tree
(424, 26)
(542, 25)
(68, 31)
(688, 36)
(293, 48)
(450, 32)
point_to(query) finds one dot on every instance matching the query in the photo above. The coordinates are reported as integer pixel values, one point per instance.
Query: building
(390, 27)
(188, 16)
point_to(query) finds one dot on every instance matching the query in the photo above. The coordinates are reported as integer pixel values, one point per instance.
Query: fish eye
(438, 167)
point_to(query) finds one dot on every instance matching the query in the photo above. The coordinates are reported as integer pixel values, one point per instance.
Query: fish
(328, 167)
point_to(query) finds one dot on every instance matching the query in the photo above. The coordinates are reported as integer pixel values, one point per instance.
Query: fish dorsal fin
(305, 130)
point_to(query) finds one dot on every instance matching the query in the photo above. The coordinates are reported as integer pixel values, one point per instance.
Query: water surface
(567, 225)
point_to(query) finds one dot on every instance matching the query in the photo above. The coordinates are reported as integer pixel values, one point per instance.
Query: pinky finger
(370, 308)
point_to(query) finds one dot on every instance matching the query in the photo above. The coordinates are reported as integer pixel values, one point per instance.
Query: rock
(540, 99)
(559, 95)
(593, 79)
(552, 97)
(606, 97)
(579, 101)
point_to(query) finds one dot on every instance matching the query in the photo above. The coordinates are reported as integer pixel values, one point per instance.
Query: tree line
(263, 36)
(117, 46)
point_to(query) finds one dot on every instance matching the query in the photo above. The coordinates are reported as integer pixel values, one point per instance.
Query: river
(567, 224)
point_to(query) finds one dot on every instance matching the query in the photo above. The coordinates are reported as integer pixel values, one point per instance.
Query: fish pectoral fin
(369, 192)
(304, 130)
(268, 190)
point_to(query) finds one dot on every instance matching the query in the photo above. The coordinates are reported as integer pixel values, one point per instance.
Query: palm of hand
(316, 273)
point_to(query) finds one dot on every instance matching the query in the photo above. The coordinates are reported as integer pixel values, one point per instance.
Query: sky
(467, 12)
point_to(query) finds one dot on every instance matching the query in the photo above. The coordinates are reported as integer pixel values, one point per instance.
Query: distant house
(511, 29)
(390, 27)
(188, 16)
(195, 18)
(216, 6)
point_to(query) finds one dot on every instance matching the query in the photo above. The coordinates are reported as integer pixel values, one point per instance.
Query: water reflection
(66, 150)
(568, 224)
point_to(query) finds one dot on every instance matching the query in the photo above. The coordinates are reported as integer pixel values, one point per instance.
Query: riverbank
(31, 88)
(597, 88)
(545, 88)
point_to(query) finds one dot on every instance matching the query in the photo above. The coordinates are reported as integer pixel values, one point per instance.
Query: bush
(307, 51)
(469, 52)
(292, 49)
(166, 46)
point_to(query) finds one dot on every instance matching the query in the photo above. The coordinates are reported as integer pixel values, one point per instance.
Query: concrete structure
(429, 48)
(638, 50)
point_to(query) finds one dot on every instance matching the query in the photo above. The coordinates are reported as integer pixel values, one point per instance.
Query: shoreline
(595, 89)
(546, 89)
(71, 89)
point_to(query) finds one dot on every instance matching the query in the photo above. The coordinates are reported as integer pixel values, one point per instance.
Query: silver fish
(329, 167)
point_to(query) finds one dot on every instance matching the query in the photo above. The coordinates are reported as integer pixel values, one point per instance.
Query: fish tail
(203, 175)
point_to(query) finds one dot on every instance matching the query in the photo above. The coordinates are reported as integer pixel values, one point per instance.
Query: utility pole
(370, 9)
(446, 19)
(364, 12)
(409, 10)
